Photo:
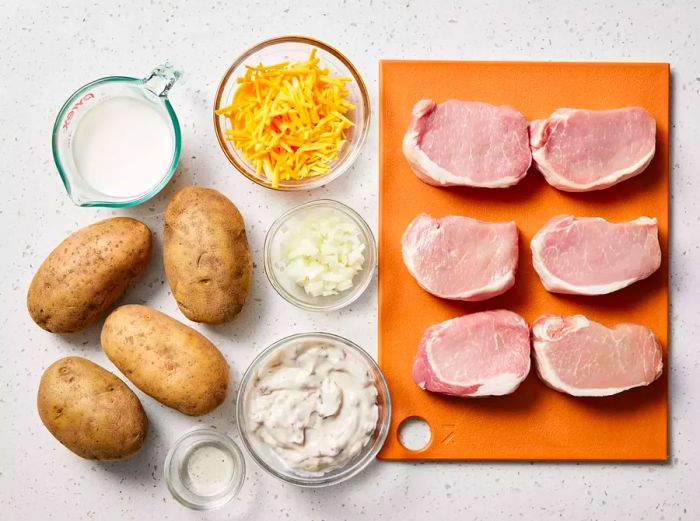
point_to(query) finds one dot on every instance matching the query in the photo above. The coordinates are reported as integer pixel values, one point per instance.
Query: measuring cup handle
(161, 79)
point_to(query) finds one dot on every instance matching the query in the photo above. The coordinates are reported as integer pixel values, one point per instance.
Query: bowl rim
(349, 471)
(364, 95)
(356, 291)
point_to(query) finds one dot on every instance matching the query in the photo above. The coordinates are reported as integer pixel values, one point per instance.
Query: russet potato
(206, 255)
(87, 273)
(91, 411)
(166, 359)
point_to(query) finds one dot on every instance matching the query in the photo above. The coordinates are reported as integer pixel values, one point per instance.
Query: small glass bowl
(296, 48)
(177, 475)
(295, 294)
(268, 460)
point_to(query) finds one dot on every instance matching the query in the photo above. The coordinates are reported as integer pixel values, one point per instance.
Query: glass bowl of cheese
(291, 113)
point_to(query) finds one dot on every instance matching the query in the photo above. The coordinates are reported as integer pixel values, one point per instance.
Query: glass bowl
(183, 466)
(270, 461)
(295, 294)
(296, 48)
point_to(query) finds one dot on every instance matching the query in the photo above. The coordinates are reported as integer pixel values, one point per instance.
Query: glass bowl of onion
(320, 256)
(291, 113)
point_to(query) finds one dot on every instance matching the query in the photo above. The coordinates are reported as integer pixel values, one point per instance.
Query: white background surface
(47, 51)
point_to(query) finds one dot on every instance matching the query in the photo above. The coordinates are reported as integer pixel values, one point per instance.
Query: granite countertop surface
(52, 48)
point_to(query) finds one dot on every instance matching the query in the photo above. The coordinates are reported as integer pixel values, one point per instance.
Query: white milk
(123, 147)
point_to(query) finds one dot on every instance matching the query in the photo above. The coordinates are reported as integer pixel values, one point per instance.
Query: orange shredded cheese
(289, 120)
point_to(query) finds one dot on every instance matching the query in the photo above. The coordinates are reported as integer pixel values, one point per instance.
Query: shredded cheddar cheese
(289, 120)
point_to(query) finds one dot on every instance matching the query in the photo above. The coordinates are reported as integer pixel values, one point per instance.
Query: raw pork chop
(583, 150)
(460, 258)
(580, 357)
(480, 354)
(467, 143)
(591, 256)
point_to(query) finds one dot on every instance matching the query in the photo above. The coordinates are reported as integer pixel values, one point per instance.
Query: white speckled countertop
(49, 50)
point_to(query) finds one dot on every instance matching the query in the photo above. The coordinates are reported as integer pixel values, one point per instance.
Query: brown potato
(87, 273)
(206, 255)
(91, 411)
(166, 359)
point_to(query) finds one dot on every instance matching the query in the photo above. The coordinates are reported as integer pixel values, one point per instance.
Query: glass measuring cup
(151, 90)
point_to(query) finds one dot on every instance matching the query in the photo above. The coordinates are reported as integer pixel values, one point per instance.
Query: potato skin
(85, 274)
(206, 255)
(166, 359)
(91, 411)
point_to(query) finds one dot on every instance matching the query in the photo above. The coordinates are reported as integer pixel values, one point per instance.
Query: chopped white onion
(322, 254)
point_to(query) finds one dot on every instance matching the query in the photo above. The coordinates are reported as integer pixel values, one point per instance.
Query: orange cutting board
(535, 422)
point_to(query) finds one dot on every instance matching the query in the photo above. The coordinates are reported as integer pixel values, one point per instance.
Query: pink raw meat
(580, 357)
(481, 354)
(582, 150)
(591, 256)
(467, 143)
(460, 258)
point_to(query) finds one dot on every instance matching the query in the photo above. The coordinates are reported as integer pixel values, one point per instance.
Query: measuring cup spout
(79, 196)
(161, 79)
